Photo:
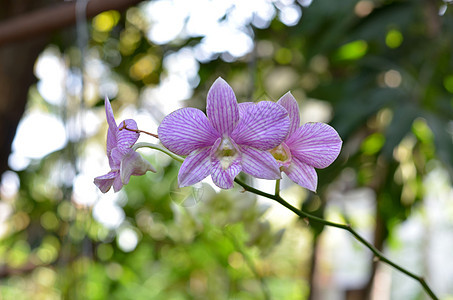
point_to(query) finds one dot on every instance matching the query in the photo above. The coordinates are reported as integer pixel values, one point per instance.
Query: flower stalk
(378, 254)
(138, 131)
(159, 148)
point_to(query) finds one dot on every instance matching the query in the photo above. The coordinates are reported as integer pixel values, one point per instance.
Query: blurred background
(379, 71)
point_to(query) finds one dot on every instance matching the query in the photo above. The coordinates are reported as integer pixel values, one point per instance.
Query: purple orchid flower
(310, 146)
(230, 139)
(123, 160)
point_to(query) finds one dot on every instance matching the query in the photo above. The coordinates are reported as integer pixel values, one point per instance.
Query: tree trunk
(16, 75)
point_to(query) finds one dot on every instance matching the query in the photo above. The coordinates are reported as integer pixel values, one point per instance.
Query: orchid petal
(290, 104)
(134, 164)
(104, 182)
(109, 114)
(222, 107)
(243, 108)
(264, 126)
(195, 168)
(115, 156)
(259, 163)
(316, 144)
(186, 130)
(126, 138)
(224, 178)
(225, 168)
(112, 131)
(111, 144)
(117, 184)
(302, 174)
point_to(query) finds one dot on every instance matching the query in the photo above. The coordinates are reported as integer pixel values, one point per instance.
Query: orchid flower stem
(138, 131)
(160, 148)
(277, 188)
(276, 197)
(378, 254)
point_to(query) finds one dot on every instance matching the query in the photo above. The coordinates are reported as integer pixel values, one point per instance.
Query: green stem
(160, 148)
(277, 187)
(378, 254)
(276, 197)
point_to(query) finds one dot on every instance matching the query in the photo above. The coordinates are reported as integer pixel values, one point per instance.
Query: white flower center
(226, 153)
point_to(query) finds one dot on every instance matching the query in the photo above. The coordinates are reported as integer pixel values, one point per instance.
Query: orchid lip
(282, 154)
(226, 152)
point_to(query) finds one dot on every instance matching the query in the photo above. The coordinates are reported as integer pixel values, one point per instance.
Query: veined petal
(316, 144)
(115, 158)
(243, 107)
(105, 182)
(264, 126)
(109, 114)
(223, 178)
(112, 131)
(290, 104)
(126, 138)
(117, 183)
(111, 144)
(259, 163)
(222, 107)
(195, 168)
(186, 130)
(134, 164)
(302, 174)
(226, 162)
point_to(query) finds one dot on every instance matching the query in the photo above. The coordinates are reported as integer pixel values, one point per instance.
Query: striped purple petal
(105, 182)
(113, 130)
(221, 107)
(302, 174)
(111, 144)
(264, 126)
(259, 163)
(243, 107)
(186, 130)
(316, 144)
(225, 162)
(290, 104)
(115, 156)
(224, 178)
(195, 168)
(117, 183)
(126, 138)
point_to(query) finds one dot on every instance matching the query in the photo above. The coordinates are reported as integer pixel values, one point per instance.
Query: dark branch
(52, 18)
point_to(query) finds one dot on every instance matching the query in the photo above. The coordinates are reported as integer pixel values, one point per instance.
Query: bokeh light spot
(448, 83)
(392, 78)
(143, 66)
(39, 134)
(104, 251)
(363, 8)
(373, 143)
(283, 56)
(352, 51)
(105, 21)
(394, 38)
(422, 131)
(49, 220)
(127, 239)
